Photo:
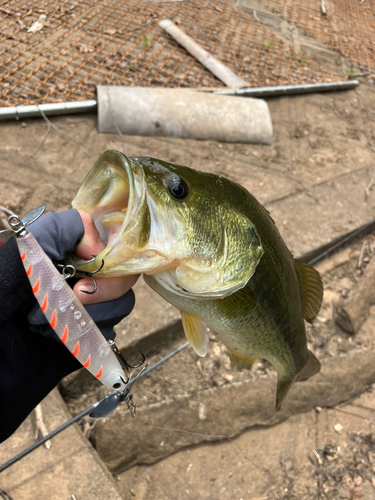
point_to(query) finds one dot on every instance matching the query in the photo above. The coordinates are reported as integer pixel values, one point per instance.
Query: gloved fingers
(107, 288)
(58, 233)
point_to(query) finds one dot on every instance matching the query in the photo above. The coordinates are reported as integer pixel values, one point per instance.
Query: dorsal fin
(312, 290)
(196, 332)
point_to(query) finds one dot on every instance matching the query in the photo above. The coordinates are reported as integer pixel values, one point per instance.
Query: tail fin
(283, 386)
(311, 367)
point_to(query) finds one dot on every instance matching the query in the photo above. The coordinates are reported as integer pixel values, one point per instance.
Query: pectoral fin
(196, 332)
(312, 290)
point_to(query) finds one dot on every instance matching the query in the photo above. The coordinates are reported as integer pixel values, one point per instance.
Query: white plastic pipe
(183, 113)
(217, 68)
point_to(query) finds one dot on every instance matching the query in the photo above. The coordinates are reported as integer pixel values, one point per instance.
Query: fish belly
(243, 326)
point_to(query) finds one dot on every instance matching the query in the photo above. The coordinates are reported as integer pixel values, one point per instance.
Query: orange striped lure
(64, 312)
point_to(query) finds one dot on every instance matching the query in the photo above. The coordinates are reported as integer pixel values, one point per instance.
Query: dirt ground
(303, 458)
(312, 179)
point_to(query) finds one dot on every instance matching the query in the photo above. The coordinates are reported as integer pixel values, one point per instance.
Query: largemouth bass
(208, 247)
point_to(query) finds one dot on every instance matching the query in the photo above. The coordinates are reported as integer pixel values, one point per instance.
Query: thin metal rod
(58, 108)
(279, 90)
(88, 410)
(46, 438)
(347, 238)
(91, 106)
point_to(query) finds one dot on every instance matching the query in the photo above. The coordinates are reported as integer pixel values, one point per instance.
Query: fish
(209, 248)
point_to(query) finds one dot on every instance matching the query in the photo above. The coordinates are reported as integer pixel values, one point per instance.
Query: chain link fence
(346, 25)
(53, 51)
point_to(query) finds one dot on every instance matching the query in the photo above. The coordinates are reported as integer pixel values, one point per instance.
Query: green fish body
(208, 247)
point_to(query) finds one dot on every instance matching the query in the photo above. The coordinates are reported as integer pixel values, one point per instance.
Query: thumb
(91, 243)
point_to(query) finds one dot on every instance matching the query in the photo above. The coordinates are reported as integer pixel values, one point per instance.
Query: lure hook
(141, 363)
(123, 361)
(69, 271)
(89, 275)
(111, 402)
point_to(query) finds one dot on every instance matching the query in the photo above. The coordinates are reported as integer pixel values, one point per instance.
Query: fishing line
(115, 123)
(59, 130)
(49, 126)
(38, 146)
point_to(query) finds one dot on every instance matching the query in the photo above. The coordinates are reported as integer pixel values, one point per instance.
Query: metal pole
(58, 108)
(91, 106)
(279, 90)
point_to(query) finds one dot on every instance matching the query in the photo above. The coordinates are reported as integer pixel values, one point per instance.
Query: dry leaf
(85, 48)
(38, 25)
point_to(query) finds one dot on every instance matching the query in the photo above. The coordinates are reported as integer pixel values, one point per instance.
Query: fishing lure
(67, 316)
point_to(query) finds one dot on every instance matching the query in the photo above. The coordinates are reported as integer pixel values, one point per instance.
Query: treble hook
(69, 271)
(111, 402)
(89, 275)
(123, 361)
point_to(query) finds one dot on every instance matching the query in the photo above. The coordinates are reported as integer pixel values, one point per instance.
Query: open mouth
(111, 213)
(108, 194)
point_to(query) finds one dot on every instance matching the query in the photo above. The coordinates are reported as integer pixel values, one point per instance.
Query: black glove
(59, 234)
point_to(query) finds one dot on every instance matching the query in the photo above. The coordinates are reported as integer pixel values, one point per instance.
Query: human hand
(58, 234)
(108, 288)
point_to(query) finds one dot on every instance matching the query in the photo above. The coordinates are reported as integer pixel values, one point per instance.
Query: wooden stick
(351, 313)
(362, 255)
(211, 63)
(368, 189)
(41, 426)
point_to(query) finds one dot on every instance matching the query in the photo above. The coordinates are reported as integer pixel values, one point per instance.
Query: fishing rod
(145, 372)
(91, 408)
(341, 242)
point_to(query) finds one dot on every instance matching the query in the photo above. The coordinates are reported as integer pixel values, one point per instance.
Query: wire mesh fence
(346, 25)
(60, 51)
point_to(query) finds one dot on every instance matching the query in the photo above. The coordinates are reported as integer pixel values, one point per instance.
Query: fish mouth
(113, 194)
(144, 234)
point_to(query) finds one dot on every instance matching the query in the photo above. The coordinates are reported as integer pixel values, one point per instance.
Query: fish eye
(178, 188)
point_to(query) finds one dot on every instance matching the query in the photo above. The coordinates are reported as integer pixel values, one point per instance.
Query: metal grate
(85, 43)
(348, 25)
